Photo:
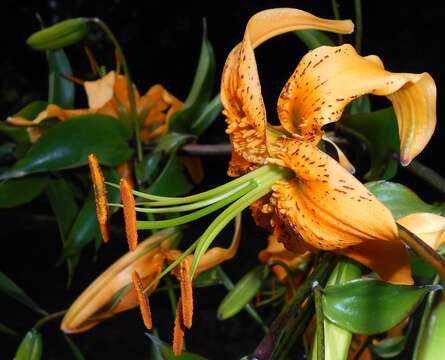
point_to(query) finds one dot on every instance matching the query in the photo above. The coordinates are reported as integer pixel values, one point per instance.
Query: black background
(161, 40)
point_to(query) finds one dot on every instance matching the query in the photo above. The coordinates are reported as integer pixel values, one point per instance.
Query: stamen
(178, 331)
(100, 193)
(129, 214)
(144, 303)
(186, 292)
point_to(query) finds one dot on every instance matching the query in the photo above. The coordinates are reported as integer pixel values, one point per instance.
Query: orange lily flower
(428, 227)
(323, 206)
(109, 96)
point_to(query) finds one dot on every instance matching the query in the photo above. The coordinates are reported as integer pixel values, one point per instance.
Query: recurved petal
(329, 78)
(101, 299)
(389, 259)
(429, 227)
(240, 87)
(325, 204)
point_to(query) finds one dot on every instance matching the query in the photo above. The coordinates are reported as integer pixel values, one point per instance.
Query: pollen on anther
(178, 330)
(144, 303)
(186, 293)
(129, 213)
(100, 193)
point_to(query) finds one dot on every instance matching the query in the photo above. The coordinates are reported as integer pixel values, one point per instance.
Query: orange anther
(100, 193)
(129, 214)
(178, 330)
(144, 303)
(186, 292)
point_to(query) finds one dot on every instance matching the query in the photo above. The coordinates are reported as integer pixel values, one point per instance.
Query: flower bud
(62, 34)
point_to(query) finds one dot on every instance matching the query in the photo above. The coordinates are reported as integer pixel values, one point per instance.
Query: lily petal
(101, 301)
(325, 204)
(342, 158)
(328, 78)
(240, 86)
(429, 227)
(389, 259)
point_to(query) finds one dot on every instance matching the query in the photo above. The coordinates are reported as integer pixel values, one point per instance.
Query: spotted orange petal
(240, 87)
(429, 227)
(328, 78)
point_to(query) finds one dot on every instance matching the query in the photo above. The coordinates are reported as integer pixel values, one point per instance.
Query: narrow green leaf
(68, 144)
(60, 90)
(207, 117)
(147, 168)
(390, 347)
(400, 200)
(6, 330)
(75, 351)
(16, 192)
(63, 205)
(370, 127)
(171, 141)
(314, 38)
(243, 292)
(31, 347)
(8, 287)
(33, 109)
(200, 92)
(371, 306)
(337, 339)
(431, 345)
(172, 181)
(166, 351)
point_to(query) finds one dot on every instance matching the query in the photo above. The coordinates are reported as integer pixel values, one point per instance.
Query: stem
(336, 12)
(266, 347)
(427, 174)
(426, 252)
(248, 307)
(288, 271)
(358, 25)
(425, 317)
(38, 325)
(131, 95)
(205, 150)
(171, 294)
(319, 323)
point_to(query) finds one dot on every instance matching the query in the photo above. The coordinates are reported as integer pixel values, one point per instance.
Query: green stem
(48, 318)
(358, 25)
(171, 294)
(248, 308)
(289, 273)
(267, 346)
(426, 252)
(424, 321)
(336, 12)
(427, 174)
(131, 94)
(319, 323)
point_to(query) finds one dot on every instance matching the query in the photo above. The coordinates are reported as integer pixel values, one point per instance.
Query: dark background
(161, 40)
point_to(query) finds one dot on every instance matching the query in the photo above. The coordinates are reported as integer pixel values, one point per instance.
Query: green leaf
(172, 181)
(337, 340)
(68, 144)
(207, 117)
(31, 347)
(378, 130)
(16, 192)
(63, 205)
(431, 345)
(243, 292)
(31, 110)
(166, 351)
(6, 330)
(400, 200)
(421, 268)
(171, 141)
(147, 168)
(390, 347)
(314, 38)
(75, 351)
(8, 287)
(208, 278)
(360, 105)
(60, 91)
(200, 92)
(371, 306)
